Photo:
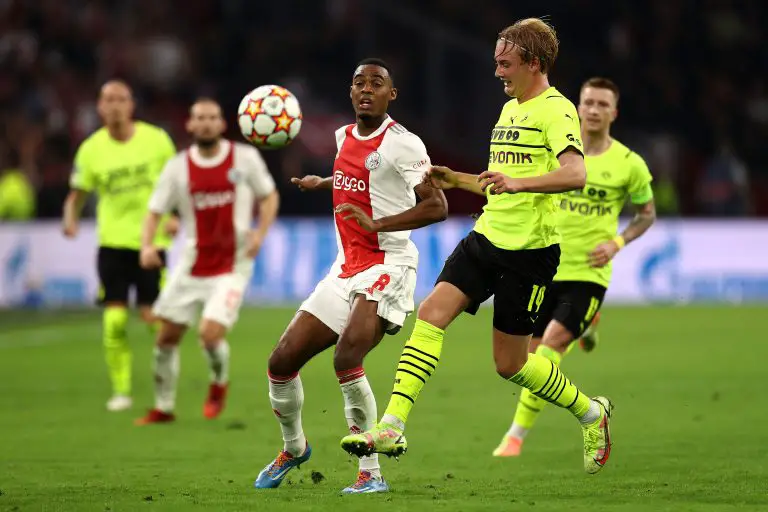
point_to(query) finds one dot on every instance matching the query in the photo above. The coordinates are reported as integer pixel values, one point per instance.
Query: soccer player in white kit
(378, 171)
(213, 185)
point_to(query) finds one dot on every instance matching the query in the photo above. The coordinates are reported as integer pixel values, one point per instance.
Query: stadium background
(694, 104)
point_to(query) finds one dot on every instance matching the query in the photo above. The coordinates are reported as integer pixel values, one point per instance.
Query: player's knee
(558, 344)
(169, 334)
(347, 358)
(350, 351)
(211, 333)
(557, 337)
(433, 314)
(281, 362)
(510, 367)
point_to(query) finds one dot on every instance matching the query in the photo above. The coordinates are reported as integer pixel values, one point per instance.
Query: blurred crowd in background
(692, 73)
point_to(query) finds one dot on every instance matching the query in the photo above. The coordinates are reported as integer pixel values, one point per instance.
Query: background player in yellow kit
(588, 224)
(120, 162)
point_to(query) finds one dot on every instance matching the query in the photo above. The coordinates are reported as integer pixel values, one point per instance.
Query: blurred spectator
(723, 189)
(17, 196)
(675, 105)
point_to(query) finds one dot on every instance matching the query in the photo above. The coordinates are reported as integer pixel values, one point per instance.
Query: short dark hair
(204, 99)
(375, 61)
(599, 82)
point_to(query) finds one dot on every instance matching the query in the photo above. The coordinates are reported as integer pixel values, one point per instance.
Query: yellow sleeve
(83, 176)
(562, 129)
(640, 191)
(168, 148)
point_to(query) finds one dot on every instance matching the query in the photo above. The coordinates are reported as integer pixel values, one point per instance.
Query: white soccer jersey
(214, 198)
(376, 173)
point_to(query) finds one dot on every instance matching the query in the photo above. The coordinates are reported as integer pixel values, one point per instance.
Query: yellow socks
(417, 364)
(529, 406)
(116, 349)
(544, 380)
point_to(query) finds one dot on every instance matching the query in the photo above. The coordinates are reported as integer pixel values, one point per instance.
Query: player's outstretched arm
(432, 208)
(73, 205)
(571, 175)
(443, 178)
(645, 216)
(312, 182)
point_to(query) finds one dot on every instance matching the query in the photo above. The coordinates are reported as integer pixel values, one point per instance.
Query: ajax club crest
(234, 176)
(373, 161)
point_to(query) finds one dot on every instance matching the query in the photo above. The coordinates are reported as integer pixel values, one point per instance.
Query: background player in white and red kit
(368, 292)
(213, 185)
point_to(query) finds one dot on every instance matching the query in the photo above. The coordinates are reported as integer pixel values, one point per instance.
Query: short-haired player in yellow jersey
(512, 253)
(588, 222)
(120, 163)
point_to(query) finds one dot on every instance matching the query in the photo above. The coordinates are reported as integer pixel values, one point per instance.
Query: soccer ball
(269, 117)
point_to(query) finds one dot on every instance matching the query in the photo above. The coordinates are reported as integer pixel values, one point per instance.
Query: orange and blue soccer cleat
(366, 484)
(272, 475)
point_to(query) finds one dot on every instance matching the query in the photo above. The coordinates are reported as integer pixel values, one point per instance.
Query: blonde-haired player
(512, 253)
(588, 221)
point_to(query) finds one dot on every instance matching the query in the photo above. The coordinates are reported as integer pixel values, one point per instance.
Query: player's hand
(498, 183)
(254, 244)
(172, 226)
(441, 177)
(149, 258)
(352, 212)
(308, 182)
(603, 253)
(70, 229)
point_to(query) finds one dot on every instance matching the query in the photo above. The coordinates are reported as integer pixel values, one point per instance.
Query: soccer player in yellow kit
(588, 222)
(120, 162)
(513, 252)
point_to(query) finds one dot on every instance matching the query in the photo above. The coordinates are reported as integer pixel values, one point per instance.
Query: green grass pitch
(690, 425)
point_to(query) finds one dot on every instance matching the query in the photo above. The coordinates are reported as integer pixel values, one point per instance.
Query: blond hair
(534, 38)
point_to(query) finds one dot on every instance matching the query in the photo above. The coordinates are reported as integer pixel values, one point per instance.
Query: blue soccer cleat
(272, 475)
(366, 484)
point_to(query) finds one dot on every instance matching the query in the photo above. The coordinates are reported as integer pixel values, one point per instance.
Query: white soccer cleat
(119, 403)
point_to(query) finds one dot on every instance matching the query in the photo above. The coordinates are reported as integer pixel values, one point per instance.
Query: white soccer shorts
(392, 286)
(220, 297)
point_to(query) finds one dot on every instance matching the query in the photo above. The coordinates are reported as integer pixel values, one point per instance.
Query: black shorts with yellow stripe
(572, 303)
(119, 271)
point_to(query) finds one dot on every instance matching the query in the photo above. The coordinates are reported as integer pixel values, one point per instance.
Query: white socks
(517, 431)
(593, 413)
(218, 360)
(360, 411)
(166, 376)
(287, 396)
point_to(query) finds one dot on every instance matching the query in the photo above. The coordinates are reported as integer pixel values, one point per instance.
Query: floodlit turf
(690, 429)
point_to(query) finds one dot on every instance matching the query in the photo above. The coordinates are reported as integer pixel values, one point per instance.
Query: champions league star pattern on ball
(269, 117)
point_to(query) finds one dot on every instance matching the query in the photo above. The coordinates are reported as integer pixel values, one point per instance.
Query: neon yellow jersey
(591, 216)
(526, 142)
(123, 175)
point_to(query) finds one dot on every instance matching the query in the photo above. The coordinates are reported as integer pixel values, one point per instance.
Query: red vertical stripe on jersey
(351, 184)
(213, 201)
